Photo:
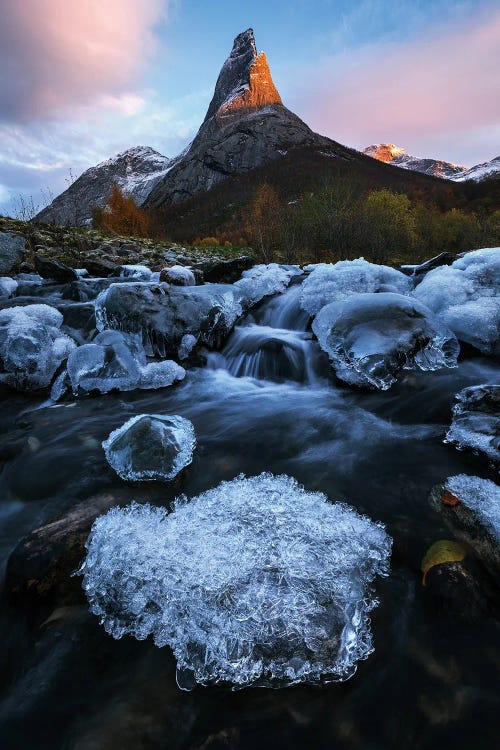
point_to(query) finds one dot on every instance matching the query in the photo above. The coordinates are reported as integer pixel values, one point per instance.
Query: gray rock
(100, 267)
(476, 421)
(12, 252)
(225, 271)
(53, 269)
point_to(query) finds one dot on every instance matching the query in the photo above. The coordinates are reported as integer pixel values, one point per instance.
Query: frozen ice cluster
(263, 280)
(476, 420)
(331, 282)
(482, 497)
(466, 297)
(254, 582)
(32, 346)
(151, 446)
(114, 360)
(7, 286)
(371, 337)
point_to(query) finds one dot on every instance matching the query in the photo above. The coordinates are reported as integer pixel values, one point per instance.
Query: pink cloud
(58, 54)
(437, 91)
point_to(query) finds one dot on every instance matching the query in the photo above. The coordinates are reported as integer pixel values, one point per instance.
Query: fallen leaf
(441, 552)
(449, 499)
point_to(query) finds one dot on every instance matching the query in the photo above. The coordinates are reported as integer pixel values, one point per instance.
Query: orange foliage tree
(121, 215)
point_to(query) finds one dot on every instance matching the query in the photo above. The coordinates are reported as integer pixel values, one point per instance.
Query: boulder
(12, 252)
(53, 269)
(224, 271)
(100, 267)
(178, 276)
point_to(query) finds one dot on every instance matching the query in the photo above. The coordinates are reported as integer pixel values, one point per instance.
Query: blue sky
(85, 79)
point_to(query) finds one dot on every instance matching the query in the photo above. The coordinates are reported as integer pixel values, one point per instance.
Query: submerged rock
(476, 421)
(370, 338)
(12, 252)
(332, 282)
(466, 297)
(151, 446)
(32, 346)
(255, 582)
(470, 507)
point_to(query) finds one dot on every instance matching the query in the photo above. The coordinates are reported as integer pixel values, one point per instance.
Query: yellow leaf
(441, 552)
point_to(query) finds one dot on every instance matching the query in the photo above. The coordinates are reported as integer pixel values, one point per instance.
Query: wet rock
(476, 421)
(39, 570)
(53, 269)
(12, 252)
(460, 590)
(225, 271)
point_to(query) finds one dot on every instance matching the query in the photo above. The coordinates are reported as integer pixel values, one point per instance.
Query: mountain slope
(135, 171)
(485, 171)
(398, 157)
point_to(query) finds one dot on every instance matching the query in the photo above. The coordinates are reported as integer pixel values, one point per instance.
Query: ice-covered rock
(116, 361)
(151, 446)
(264, 280)
(476, 420)
(139, 273)
(466, 297)
(32, 346)
(178, 275)
(254, 582)
(8, 286)
(332, 282)
(470, 507)
(164, 314)
(371, 337)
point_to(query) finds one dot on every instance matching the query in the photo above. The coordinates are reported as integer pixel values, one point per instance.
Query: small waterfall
(273, 343)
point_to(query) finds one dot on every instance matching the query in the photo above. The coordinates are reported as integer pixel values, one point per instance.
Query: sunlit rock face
(398, 157)
(254, 582)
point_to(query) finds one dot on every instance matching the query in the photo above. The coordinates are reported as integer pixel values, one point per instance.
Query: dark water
(432, 681)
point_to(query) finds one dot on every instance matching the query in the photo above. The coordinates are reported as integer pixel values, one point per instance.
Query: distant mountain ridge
(398, 157)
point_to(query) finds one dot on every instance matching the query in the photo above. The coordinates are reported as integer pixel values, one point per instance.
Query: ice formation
(116, 361)
(151, 446)
(254, 582)
(32, 347)
(332, 282)
(482, 497)
(7, 286)
(371, 337)
(263, 280)
(179, 275)
(476, 420)
(139, 273)
(466, 297)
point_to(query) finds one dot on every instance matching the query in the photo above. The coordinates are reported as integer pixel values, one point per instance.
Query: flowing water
(267, 402)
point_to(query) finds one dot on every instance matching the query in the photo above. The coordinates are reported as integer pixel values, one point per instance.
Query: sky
(85, 79)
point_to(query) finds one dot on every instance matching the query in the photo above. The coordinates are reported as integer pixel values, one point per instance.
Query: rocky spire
(245, 80)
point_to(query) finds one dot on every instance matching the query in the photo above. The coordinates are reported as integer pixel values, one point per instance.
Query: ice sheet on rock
(188, 342)
(332, 282)
(264, 280)
(151, 447)
(8, 286)
(141, 273)
(466, 297)
(179, 275)
(115, 360)
(481, 496)
(254, 582)
(476, 420)
(371, 337)
(32, 346)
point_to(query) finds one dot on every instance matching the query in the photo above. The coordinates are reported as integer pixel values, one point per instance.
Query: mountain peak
(245, 81)
(384, 151)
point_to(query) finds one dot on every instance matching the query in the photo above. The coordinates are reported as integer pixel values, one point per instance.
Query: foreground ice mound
(115, 361)
(466, 297)
(151, 446)
(264, 280)
(331, 282)
(255, 582)
(371, 337)
(32, 346)
(476, 420)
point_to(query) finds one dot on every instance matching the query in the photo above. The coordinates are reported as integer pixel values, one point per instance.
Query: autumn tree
(121, 215)
(390, 229)
(263, 222)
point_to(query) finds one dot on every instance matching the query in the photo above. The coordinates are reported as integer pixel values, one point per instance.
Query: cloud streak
(57, 55)
(437, 91)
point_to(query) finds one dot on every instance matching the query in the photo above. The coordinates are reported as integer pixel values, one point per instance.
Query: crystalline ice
(115, 360)
(476, 420)
(140, 273)
(31, 346)
(254, 582)
(188, 342)
(371, 337)
(482, 497)
(466, 297)
(179, 275)
(151, 446)
(263, 280)
(8, 286)
(332, 282)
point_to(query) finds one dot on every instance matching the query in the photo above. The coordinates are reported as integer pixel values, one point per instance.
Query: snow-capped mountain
(484, 171)
(135, 171)
(391, 154)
